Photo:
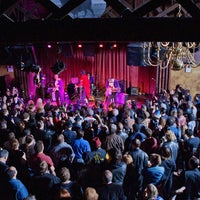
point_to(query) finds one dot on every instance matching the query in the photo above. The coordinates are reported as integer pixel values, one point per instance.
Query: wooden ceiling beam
(109, 29)
(5, 5)
(147, 7)
(118, 7)
(191, 8)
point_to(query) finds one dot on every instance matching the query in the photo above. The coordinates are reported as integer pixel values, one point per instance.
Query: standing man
(58, 89)
(85, 83)
(112, 87)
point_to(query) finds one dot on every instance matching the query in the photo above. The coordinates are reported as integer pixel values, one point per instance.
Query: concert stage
(120, 99)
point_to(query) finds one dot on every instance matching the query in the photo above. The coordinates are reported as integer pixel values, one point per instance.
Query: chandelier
(175, 55)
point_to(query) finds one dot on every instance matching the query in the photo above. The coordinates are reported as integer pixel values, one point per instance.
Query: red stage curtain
(106, 63)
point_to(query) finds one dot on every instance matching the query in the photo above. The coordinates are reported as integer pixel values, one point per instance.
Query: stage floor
(139, 99)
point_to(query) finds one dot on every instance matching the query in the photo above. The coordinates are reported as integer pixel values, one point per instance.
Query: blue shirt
(80, 147)
(153, 175)
(18, 189)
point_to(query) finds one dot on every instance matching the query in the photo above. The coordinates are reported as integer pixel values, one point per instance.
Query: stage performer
(112, 87)
(85, 83)
(58, 90)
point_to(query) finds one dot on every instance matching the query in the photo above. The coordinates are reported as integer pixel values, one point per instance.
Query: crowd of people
(123, 152)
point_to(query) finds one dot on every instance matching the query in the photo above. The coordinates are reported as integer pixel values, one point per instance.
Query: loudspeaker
(133, 91)
(58, 67)
(134, 54)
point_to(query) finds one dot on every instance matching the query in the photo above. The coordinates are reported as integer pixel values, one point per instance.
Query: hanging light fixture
(176, 55)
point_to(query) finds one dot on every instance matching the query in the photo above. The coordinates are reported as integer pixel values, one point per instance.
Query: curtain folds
(105, 63)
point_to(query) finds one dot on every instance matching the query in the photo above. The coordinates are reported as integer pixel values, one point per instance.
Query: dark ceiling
(24, 21)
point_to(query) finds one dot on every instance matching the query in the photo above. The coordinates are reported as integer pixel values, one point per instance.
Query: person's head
(64, 174)
(107, 177)
(115, 155)
(136, 143)
(189, 132)
(11, 136)
(26, 116)
(3, 155)
(40, 124)
(90, 194)
(60, 138)
(155, 159)
(56, 76)
(39, 146)
(120, 126)
(29, 139)
(97, 142)
(148, 132)
(127, 158)
(170, 121)
(43, 167)
(180, 112)
(113, 128)
(194, 162)
(69, 124)
(166, 153)
(80, 133)
(150, 192)
(15, 144)
(170, 136)
(12, 172)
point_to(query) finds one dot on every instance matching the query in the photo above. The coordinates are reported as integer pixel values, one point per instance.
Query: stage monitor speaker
(133, 91)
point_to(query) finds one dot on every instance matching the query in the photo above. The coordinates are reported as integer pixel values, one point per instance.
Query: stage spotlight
(79, 45)
(100, 45)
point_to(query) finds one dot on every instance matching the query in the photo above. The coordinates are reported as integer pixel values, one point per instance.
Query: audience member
(154, 172)
(90, 194)
(34, 160)
(151, 193)
(42, 184)
(74, 189)
(109, 190)
(39, 127)
(14, 188)
(140, 161)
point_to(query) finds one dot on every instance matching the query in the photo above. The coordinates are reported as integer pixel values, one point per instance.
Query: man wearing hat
(97, 155)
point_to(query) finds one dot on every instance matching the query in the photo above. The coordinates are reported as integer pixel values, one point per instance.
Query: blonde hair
(152, 192)
(128, 159)
(170, 136)
(91, 194)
